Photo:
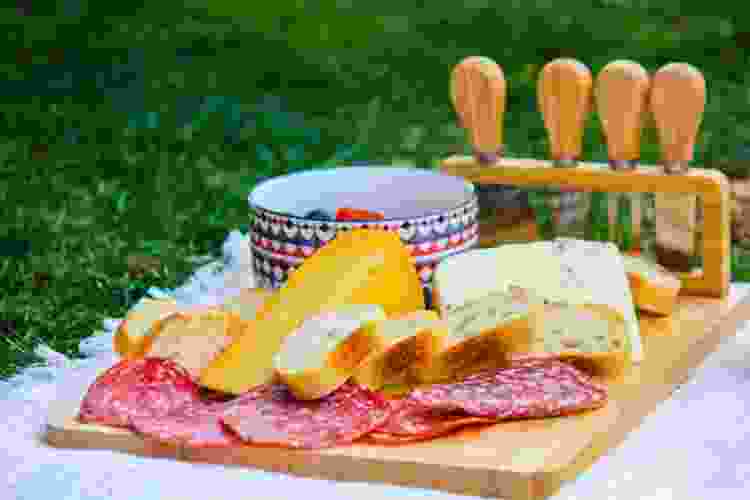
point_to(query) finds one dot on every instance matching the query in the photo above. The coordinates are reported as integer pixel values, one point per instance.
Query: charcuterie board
(517, 460)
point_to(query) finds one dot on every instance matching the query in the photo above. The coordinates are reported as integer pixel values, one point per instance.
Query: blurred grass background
(130, 134)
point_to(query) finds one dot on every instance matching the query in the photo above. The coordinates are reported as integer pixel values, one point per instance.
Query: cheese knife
(678, 98)
(621, 95)
(564, 99)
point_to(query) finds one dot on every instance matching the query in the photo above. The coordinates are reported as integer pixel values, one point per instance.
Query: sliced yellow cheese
(364, 266)
(481, 333)
(321, 355)
(131, 334)
(654, 288)
(193, 339)
(247, 303)
(408, 342)
(594, 337)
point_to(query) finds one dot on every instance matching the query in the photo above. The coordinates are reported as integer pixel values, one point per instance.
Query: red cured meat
(147, 387)
(196, 426)
(535, 388)
(270, 415)
(411, 421)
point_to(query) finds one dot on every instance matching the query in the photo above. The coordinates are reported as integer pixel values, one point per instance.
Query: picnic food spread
(315, 363)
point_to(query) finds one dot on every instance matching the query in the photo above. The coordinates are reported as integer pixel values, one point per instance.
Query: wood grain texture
(514, 460)
(478, 91)
(711, 185)
(564, 96)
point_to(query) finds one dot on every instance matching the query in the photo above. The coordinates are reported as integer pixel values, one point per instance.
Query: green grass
(119, 143)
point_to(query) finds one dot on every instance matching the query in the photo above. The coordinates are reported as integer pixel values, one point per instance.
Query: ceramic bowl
(434, 214)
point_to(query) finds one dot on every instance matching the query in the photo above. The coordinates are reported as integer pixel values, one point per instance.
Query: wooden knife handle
(478, 92)
(678, 97)
(622, 100)
(564, 96)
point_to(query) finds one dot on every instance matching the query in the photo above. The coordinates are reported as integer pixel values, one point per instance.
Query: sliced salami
(147, 387)
(270, 415)
(412, 421)
(196, 426)
(535, 388)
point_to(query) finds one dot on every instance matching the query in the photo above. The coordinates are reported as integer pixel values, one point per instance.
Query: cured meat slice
(146, 387)
(411, 421)
(196, 426)
(271, 415)
(533, 388)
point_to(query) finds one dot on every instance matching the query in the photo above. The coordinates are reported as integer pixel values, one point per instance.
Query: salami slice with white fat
(535, 388)
(197, 426)
(411, 421)
(271, 415)
(146, 387)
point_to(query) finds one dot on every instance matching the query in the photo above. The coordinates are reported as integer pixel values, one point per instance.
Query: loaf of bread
(323, 353)
(193, 338)
(654, 288)
(132, 333)
(481, 333)
(409, 342)
(593, 337)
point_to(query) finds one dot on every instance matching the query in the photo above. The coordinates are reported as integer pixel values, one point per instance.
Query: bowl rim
(471, 198)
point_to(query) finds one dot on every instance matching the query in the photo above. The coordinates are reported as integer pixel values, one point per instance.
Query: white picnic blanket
(696, 445)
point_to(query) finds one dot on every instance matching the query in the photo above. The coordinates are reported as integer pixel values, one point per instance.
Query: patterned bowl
(435, 215)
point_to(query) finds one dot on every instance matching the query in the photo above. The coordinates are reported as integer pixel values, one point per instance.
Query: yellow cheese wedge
(408, 342)
(592, 336)
(131, 334)
(192, 339)
(654, 288)
(481, 333)
(364, 266)
(321, 355)
(247, 303)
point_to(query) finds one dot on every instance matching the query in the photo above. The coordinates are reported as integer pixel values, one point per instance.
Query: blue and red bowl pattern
(280, 243)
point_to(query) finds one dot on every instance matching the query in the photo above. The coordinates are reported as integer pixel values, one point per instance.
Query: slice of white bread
(193, 338)
(325, 350)
(247, 303)
(654, 288)
(409, 342)
(480, 335)
(132, 333)
(591, 336)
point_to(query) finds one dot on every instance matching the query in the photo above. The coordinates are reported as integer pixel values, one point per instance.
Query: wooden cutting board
(516, 460)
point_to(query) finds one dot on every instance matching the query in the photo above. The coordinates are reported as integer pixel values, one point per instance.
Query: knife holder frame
(711, 186)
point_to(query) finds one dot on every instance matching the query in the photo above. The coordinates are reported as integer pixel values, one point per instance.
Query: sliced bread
(409, 342)
(654, 288)
(323, 353)
(480, 335)
(193, 338)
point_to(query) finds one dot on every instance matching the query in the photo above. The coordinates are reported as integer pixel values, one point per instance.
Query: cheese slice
(363, 266)
(409, 342)
(564, 270)
(193, 338)
(593, 337)
(321, 355)
(247, 303)
(654, 288)
(481, 334)
(131, 335)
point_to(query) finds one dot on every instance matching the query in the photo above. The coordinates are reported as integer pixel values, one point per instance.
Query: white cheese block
(325, 350)
(654, 288)
(565, 270)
